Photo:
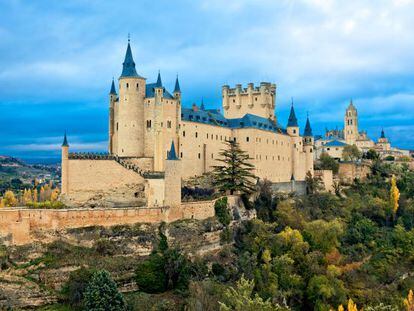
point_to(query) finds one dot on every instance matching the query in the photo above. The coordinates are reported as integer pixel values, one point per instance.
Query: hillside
(17, 175)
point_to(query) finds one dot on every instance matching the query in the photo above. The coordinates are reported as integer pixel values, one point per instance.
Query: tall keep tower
(112, 102)
(129, 127)
(351, 124)
(259, 100)
(308, 143)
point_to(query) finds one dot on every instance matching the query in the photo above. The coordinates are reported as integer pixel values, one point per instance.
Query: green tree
(351, 153)
(102, 294)
(313, 184)
(222, 212)
(326, 162)
(240, 298)
(150, 275)
(323, 235)
(372, 155)
(74, 288)
(236, 172)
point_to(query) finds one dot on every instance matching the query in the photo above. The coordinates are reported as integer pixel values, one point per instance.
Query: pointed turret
(177, 86)
(292, 121)
(202, 104)
(128, 69)
(382, 133)
(159, 82)
(65, 141)
(308, 129)
(172, 154)
(113, 90)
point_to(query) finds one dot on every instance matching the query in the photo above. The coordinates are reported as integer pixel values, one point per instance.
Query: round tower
(351, 124)
(295, 141)
(172, 197)
(112, 100)
(308, 145)
(65, 166)
(292, 126)
(130, 124)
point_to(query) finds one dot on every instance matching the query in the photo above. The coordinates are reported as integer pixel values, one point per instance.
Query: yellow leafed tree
(34, 195)
(409, 301)
(394, 195)
(9, 199)
(2, 203)
(27, 196)
(55, 194)
(42, 194)
(351, 306)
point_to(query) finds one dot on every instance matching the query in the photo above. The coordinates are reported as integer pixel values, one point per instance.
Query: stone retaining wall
(17, 224)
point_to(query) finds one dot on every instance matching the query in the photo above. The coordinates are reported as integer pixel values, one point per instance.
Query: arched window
(148, 124)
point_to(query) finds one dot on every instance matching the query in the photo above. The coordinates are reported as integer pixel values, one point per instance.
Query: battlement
(266, 87)
(256, 100)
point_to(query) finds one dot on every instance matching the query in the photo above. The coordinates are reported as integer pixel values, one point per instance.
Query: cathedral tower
(351, 125)
(129, 125)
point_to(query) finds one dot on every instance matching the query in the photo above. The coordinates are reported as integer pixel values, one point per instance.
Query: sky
(57, 60)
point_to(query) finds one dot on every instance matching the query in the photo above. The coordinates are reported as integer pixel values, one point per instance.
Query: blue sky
(57, 59)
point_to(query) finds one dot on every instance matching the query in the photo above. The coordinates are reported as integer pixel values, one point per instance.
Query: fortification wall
(99, 175)
(18, 224)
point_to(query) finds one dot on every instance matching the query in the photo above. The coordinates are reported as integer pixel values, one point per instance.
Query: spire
(113, 91)
(292, 121)
(177, 86)
(159, 82)
(172, 155)
(65, 141)
(308, 129)
(202, 104)
(351, 105)
(128, 69)
(382, 133)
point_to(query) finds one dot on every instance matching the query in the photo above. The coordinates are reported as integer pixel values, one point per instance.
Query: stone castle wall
(18, 224)
(99, 175)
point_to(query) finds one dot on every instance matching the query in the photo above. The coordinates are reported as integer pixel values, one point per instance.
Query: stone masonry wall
(17, 224)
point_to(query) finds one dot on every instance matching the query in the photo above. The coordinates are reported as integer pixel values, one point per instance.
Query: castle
(155, 142)
(336, 140)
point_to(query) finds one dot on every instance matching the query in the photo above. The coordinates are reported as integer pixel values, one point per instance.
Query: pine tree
(394, 196)
(102, 294)
(235, 173)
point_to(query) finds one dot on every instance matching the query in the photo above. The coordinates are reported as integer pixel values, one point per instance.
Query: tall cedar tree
(235, 174)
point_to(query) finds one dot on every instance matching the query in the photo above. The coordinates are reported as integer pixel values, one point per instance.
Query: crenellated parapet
(258, 100)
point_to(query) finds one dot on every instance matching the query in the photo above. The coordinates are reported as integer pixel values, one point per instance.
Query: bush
(222, 212)
(105, 247)
(74, 288)
(46, 205)
(150, 275)
(102, 294)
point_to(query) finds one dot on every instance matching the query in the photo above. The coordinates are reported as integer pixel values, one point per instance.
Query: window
(294, 131)
(199, 156)
(196, 134)
(127, 85)
(181, 155)
(212, 156)
(137, 86)
(207, 135)
(148, 124)
(247, 139)
(169, 124)
(116, 125)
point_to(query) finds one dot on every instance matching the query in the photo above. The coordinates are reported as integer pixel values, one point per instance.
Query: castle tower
(130, 119)
(65, 166)
(177, 90)
(293, 132)
(112, 100)
(158, 119)
(239, 101)
(383, 142)
(351, 124)
(172, 196)
(308, 145)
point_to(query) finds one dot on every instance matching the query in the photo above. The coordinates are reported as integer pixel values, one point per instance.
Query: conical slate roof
(172, 155)
(128, 66)
(177, 86)
(65, 141)
(292, 121)
(113, 90)
(159, 82)
(308, 129)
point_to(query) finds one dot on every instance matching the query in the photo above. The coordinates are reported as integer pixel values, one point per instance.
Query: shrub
(222, 212)
(105, 247)
(74, 288)
(150, 275)
(102, 294)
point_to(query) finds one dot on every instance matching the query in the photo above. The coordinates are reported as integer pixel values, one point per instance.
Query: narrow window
(116, 125)
(247, 139)
(196, 134)
(183, 133)
(169, 124)
(181, 155)
(127, 85)
(199, 156)
(148, 124)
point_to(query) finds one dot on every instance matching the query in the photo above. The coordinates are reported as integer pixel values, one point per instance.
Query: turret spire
(292, 121)
(128, 66)
(177, 86)
(65, 141)
(202, 104)
(382, 133)
(159, 82)
(308, 129)
(113, 90)
(172, 155)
